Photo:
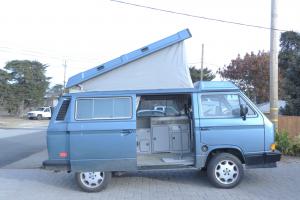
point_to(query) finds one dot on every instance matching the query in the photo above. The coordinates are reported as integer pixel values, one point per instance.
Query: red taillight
(63, 154)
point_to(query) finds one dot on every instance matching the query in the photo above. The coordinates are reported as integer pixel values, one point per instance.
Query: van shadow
(66, 181)
(187, 176)
(63, 180)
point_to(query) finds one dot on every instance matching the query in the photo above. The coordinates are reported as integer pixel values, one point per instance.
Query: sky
(91, 32)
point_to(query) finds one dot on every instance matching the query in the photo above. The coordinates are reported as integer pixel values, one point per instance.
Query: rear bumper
(265, 160)
(57, 165)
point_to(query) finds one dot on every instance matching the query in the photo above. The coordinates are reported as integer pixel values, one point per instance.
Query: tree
(289, 65)
(4, 77)
(208, 75)
(56, 90)
(251, 74)
(26, 85)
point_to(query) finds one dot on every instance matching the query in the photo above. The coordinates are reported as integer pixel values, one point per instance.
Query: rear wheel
(39, 117)
(92, 181)
(225, 170)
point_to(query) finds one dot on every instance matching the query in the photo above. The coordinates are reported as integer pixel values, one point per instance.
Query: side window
(63, 110)
(251, 112)
(223, 105)
(103, 108)
(122, 108)
(84, 108)
(220, 105)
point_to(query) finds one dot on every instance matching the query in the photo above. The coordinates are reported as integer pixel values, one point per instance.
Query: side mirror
(243, 111)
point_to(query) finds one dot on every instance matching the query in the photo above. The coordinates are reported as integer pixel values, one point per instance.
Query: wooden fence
(291, 124)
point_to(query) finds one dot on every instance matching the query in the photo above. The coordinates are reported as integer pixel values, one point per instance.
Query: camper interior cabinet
(170, 134)
(163, 130)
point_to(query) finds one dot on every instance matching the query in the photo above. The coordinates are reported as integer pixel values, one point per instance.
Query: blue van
(213, 127)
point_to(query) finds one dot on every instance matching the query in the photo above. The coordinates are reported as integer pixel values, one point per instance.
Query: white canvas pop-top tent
(160, 65)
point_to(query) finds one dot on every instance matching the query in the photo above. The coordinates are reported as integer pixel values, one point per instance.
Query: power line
(42, 54)
(196, 16)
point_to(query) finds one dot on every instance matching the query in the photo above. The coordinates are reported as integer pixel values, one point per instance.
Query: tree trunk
(21, 109)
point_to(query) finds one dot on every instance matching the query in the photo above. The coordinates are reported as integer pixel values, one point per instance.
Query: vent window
(63, 110)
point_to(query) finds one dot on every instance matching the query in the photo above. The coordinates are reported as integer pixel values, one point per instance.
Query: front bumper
(31, 115)
(272, 157)
(264, 160)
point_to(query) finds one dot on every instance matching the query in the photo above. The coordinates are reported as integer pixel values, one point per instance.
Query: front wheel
(225, 170)
(92, 181)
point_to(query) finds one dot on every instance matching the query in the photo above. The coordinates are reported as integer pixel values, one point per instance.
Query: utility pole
(65, 71)
(273, 65)
(202, 62)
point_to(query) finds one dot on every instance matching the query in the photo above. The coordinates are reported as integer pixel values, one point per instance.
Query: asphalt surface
(281, 183)
(21, 144)
(23, 150)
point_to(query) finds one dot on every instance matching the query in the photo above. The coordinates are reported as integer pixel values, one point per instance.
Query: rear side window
(103, 108)
(63, 110)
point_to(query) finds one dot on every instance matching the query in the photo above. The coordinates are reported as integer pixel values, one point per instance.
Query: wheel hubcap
(226, 172)
(92, 179)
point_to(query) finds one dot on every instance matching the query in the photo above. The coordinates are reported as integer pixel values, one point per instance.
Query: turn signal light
(273, 147)
(63, 154)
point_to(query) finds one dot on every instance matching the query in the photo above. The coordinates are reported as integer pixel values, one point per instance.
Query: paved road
(16, 144)
(26, 183)
(258, 184)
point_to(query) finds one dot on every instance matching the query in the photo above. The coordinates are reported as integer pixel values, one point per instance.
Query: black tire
(231, 168)
(39, 117)
(97, 188)
(203, 169)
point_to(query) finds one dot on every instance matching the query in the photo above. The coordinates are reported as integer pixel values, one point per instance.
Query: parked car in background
(40, 113)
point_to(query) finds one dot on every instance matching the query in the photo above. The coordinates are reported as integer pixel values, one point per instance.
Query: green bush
(287, 145)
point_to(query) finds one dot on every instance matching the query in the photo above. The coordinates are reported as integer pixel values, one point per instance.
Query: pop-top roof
(204, 86)
(127, 58)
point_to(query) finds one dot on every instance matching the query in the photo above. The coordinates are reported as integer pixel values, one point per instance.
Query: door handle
(125, 132)
(204, 129)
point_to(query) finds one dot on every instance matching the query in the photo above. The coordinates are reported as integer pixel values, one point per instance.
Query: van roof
(215, 85)
(201, 86)
(127, 58)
